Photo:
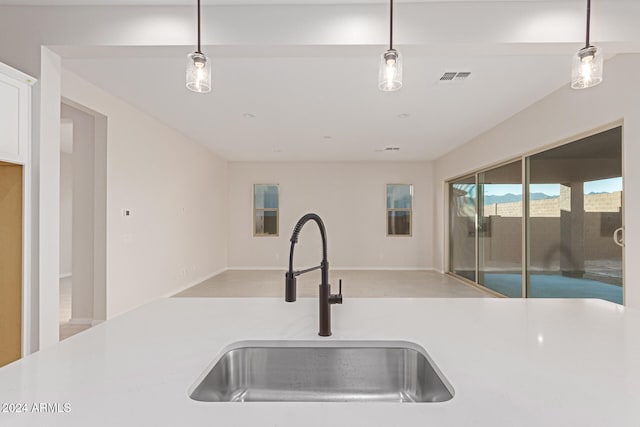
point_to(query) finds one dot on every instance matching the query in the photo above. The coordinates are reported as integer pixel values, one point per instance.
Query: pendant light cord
(199, 51)
(391, 25)
(588, 22)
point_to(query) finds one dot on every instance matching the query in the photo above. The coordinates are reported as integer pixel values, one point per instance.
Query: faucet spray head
(290, 287)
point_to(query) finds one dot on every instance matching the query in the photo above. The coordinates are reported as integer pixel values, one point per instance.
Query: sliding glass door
(573, 226)
(462, 221)
(574, 210)
(500, 229)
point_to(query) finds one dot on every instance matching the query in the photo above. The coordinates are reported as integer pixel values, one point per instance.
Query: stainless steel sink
(312, 371)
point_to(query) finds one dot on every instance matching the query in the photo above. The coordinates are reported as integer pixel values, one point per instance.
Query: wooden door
(10, 262)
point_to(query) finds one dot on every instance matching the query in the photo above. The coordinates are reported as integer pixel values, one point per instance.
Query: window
(399, 200)
(265, 210)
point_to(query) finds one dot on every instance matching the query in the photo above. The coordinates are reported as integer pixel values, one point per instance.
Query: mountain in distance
(511, 198)
(541, 196)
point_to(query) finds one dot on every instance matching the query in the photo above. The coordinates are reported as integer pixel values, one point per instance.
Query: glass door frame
(448, 238)
(449, 225)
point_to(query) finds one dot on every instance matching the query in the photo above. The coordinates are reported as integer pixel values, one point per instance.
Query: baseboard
(339, 268)
(96, 322)
(80, 321)
(383, 268)
(222, 270)
(193, 283)
(66, 275)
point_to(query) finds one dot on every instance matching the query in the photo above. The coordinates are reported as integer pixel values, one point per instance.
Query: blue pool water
(552, 286)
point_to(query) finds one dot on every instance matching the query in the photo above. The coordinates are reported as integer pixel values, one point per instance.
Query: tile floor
(270, 283)
(355, 283)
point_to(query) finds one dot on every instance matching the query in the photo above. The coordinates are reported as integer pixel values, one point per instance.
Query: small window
(399, 202)
(265, 210)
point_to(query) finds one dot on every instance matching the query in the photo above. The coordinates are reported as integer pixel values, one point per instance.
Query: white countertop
(512, 362)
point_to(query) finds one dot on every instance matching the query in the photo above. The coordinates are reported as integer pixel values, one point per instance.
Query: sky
(600, 186)
(603, 186)
(502, 189)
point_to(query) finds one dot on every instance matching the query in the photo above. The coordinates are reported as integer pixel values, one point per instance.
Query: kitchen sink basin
(312, 371)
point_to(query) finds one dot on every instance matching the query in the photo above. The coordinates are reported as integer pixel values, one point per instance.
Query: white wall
(176, 192)
(100, 218)
(565, 114)
(46, 164)
(349, 197)
(66, 210)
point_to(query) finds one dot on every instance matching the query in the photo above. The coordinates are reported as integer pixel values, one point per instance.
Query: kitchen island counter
(511, 362)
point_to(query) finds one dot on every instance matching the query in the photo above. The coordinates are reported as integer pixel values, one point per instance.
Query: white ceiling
(298, 101)
(309, 75)
(220, 2)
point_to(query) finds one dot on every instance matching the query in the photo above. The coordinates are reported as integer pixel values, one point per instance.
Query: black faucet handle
(336, 298)
(290, 287)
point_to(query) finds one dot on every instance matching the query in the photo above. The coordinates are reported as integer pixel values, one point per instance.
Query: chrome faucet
(326, 298)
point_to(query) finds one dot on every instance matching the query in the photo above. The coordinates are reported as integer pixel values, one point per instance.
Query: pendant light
(390, 73)
(198, 67)
(588, 62)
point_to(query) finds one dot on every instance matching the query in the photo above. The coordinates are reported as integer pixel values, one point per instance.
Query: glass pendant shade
(390, 73)
(587, 68)
(198, 73)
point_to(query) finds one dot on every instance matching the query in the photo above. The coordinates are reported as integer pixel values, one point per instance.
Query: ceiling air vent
(447, 77)
(454, 76)
(381, 150)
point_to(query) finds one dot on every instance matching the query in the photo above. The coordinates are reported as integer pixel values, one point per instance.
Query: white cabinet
(15, 147)
(15, 105)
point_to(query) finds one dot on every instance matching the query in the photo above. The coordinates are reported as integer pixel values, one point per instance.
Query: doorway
(10, 262)
(82, 282)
